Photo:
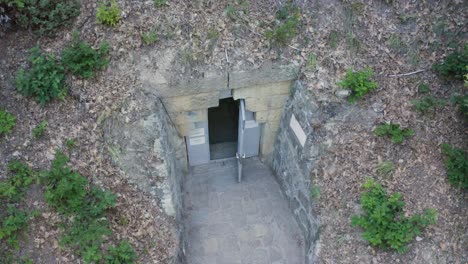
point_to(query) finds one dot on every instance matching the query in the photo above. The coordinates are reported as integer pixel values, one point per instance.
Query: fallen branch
(405, 74)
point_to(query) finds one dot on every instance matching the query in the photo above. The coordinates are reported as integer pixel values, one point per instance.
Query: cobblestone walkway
(246, 223)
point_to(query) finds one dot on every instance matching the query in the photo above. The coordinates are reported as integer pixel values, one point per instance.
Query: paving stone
(239, 223)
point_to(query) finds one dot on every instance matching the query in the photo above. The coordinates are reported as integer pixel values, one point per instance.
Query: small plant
(454, 65)
(21, 176)
(109, 13)
(284, 32)
(44, 80)
(423, 88)
(81, 59)
(396, 134)
(315, 192)
(386, 167)
(396, 43)
(39, 130)
(462, 102)
(427, 103)
(312, 62)
(160, 3)
(70, 143)
(7, 122)
(231, 12)
(121, 254)
(149, 37)
(456, 163)
(14, 221)
(359, 83)
(384, 221)
(333, 39)
(213, 34)
(43, 17)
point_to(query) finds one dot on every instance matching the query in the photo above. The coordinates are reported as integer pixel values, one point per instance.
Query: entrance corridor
(239, 223)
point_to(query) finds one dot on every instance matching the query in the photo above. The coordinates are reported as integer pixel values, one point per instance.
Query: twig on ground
(405, 74)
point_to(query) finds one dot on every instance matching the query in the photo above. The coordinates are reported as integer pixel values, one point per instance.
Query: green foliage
(70, 143)
(43, 16)
(386, 167)
(109, 13)
(454, 65)
(384, 222)
(149, 37)
(423, 88)
(7, 122)
(85, 205)
(284, 32)
(160, 3)
(359, 83)
(333, 39)
(396, 134)
(39, 130)
(456, 163)
(231, 12)
(81, 59)
(44, 80)
(13, 221)
(462, 102)
(427, 103)
(21, 176)
(315, 192)
(121, 254)
(312, 61)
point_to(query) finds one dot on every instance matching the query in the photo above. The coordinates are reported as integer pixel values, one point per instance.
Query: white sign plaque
(298, 131)
(197, 132)
(197, 140)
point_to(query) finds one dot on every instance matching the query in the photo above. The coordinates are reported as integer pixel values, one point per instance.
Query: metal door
(249, 137)
(198, 145)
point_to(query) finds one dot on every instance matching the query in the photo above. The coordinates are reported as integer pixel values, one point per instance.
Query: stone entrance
(223, 129)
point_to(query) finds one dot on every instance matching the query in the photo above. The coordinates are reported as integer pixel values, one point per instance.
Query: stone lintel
(266, 103)
(263, 90)
(264, 75)
(191, 102)
(189, 116)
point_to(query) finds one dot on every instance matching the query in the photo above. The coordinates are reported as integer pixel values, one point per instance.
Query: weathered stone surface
(263, 90)
(189, 116)
(266, 103)
(270, 130)
(191, 102)
(267, 74)
(268, 115)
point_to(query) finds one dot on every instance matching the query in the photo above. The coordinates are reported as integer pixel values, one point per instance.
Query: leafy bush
(44, 80)
(427, 103)
(21, 176)
(456, 163)
(462, 102)
(109, 13)
(12, 223)
(160, 3)
(7, 122)
(149, 37)
(384, 222)
(121, 254)
(359, 83)
(81, 59)
(43, 16)
(39, 130)
(385, 167)
(396, 134)
(286, 27)
(454, 65)
(85, 205)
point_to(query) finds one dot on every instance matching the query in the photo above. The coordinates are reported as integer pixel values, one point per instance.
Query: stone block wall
(293, 162)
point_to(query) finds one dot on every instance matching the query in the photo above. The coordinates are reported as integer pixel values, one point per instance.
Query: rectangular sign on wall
(197, 140)
(298, 131)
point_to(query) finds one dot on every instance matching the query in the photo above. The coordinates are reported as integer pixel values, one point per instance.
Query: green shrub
(160, 3)
(44, 80)
(149, 37)
(21, 176)
(109, 13)
(423, 88)
(427, 103)
(81, 59)
(7, 122)
(454, 65)
(43, 16)
(384, 222)
(359, 83)
(456, 163)
(396, 134)
(121, 254)
(462, 102)
(13, 221)
(71, 195)
(284, 32)
(39, 130)
(70, 143)
(385, 167)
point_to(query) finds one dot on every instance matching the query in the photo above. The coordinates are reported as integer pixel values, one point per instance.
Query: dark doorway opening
(223, 123)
